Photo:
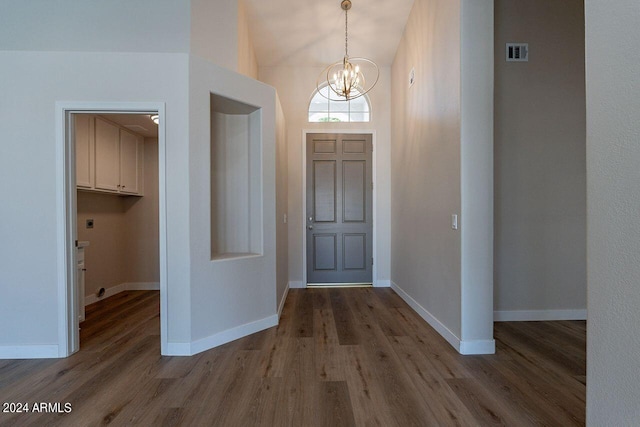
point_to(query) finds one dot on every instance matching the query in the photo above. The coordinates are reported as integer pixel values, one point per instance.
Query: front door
(339, 209)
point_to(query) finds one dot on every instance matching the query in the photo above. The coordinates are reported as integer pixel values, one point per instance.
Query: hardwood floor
(340, 357)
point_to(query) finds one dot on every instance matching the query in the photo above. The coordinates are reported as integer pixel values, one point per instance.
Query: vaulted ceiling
(311, 32)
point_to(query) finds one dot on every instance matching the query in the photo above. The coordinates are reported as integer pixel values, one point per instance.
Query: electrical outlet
(89, 223)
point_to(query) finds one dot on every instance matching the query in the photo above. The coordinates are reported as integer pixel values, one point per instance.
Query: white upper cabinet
(109, 158)
(85, 159)
(129, 162)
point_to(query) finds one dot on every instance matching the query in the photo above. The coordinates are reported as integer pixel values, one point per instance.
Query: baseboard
(465, 347)
(382, 284)
(538, 315)
(282, 301)
(428, 317)
(29, 352)
(108, 292)
(233, 334)
(130, 286)
(297, 285)
(178, 349)
(468, 347)
(142, 286)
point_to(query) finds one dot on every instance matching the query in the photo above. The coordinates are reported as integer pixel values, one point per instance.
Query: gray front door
(339, 209)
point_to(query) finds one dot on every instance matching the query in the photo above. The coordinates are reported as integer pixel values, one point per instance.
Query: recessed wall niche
(236, 179)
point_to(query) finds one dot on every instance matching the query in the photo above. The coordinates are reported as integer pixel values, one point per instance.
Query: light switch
(454, 222)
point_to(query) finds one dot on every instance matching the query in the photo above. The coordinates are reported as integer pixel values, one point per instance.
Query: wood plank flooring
(340, 357)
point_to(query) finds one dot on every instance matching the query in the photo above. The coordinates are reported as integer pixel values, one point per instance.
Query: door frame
(374, 198)
(68, 324)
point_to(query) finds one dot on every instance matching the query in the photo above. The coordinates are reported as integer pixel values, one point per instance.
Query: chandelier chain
(346, 34)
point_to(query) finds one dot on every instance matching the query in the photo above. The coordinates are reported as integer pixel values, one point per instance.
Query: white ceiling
(311, 32)
(138, 123)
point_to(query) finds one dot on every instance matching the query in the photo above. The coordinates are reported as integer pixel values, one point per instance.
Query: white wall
(105, 258)
(247, 62)
(295, 86)
(220, 33)
(441, 165)
(231, 297)
(95, 25)
(214, 32)
(425, 162)
(476, 180)
(231, 169)
(29, 241)
(540, 203)
(282, 205)
(142, 223)
(613, 204)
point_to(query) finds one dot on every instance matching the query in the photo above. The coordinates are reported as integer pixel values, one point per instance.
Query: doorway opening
(114, 209)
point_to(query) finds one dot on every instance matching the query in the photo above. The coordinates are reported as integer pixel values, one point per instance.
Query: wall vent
(517, 52)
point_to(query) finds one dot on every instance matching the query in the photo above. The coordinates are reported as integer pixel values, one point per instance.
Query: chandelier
(345, 79)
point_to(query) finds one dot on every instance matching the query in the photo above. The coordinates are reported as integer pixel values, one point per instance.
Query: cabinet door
(83, 131)
(129, 162)
(107, 155)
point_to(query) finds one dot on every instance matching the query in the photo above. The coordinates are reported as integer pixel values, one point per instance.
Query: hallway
(339, 357)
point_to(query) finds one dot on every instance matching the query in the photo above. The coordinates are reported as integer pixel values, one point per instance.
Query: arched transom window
(322, 109)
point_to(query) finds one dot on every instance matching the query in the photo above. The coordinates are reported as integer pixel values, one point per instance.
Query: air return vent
(517, 52)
